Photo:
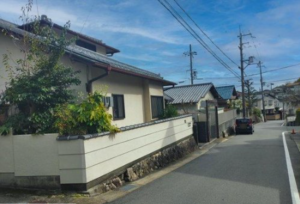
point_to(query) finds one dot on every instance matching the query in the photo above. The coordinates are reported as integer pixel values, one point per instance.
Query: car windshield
(242, 121)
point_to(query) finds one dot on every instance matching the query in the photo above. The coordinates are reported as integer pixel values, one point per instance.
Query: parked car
(244, 125)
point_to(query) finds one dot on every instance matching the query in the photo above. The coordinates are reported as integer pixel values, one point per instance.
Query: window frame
(162, 103)
(114, 106)
(86, 45)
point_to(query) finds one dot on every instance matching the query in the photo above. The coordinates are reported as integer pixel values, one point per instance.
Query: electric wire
(272, 70)
(205, 33)
(196, 36)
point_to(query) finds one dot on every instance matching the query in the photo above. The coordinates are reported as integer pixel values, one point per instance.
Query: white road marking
(282, 124)
(292, 180)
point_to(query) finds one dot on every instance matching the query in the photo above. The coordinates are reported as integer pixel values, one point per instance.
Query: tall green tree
(38, 81)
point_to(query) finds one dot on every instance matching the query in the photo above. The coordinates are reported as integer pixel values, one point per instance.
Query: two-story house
(134, 95)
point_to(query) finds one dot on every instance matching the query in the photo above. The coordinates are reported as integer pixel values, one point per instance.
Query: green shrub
(88, 117)
(256, 112)
(38, 81)
(170, 111)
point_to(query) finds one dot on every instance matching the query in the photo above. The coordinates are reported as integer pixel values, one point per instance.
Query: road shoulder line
(292, 180)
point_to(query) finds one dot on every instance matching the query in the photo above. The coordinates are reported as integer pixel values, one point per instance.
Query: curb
(296, 140)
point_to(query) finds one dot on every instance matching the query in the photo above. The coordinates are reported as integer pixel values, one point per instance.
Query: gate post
(217, 121)
(207, 122)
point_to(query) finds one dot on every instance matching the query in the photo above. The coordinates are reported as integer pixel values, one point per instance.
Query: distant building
(191, 98)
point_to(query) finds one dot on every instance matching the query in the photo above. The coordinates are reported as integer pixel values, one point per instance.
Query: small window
(86, 45)
(118, 108)
(157, 106)
(270, 102)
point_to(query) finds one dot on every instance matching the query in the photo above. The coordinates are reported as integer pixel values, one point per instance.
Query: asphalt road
(244, 169)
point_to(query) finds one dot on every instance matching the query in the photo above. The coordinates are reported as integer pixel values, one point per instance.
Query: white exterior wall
(81, 161)
(208, 96)
(267, 104)
(29, 155)
(133, 90)
(190, 108)
(105, 154)
(8, 45)
(7, 164)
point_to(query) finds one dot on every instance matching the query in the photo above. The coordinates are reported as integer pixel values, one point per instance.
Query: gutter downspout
(89, 83)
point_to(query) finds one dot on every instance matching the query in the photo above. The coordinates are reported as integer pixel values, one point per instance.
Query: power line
(86, 19)
(272, 70)
(204, 33)
(255, 48)
(196, 36)
(274, 81)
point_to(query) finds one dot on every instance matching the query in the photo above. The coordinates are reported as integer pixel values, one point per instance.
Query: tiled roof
(226, 92)
(97, 57)
(167, 97)
(92, 56)
(190, 93)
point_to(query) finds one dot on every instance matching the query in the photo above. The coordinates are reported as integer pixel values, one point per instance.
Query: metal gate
(212, 118)
(206, 125)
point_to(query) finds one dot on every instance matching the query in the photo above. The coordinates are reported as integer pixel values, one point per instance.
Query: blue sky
(150, 38)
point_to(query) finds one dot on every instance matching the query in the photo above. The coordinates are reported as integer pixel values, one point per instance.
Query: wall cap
(123, 129)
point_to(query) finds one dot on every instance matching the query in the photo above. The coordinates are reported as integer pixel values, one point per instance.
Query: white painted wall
(191, 108)
(36, 155)
(227, 116)
(81, 161)
(105, 154)
(132, 89)
(208, 96)
(29, 155)
(274, 103)
(6, 154)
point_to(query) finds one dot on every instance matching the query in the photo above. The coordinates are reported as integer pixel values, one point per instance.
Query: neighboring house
(289, 95)
(133, 95)
(190, 98)
(271, 103)
(227, 93)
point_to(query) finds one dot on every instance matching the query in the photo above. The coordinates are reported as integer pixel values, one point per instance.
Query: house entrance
(206, 123)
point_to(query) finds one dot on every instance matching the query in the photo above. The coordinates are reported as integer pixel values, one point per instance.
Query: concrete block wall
(226, 122)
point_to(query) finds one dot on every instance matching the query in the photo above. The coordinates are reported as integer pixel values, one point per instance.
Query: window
(86, 45)
(118, 108)
(270, 102)
(157, 106)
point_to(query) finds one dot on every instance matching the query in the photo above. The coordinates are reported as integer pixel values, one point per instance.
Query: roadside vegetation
(39, 87)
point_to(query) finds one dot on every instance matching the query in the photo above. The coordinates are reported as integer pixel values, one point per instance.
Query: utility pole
(248, 85)
(262, 91)
(242, 70)
(191, 54)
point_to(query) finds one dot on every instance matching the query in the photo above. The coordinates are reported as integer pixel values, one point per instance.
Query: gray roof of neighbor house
(190, 93)
(167, 97)
(226, 92)
(98, 59)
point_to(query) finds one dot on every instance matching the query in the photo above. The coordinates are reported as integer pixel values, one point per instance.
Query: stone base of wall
(29, 182)
(154, 162)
